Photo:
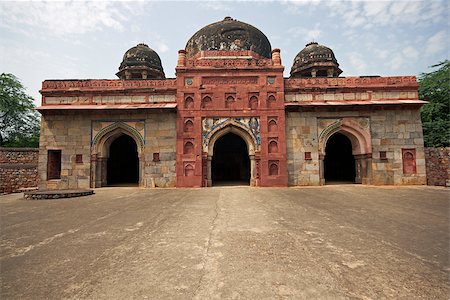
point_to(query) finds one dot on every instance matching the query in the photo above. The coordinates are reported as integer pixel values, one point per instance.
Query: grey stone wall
(390, 130)
(71, 132)
(18, 169)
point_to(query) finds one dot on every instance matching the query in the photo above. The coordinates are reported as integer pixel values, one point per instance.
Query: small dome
(141, 62)
(315, 61)
(229, 34)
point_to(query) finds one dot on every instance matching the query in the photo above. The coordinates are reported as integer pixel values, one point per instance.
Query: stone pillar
(363, 166)
(358, 168)
(252, 170)
(313, 72)
(144, 74)
(330, 72)
(181, 58)
(102, 167)
(141, 169)
(127, 75)
(276, 58)
(93, 170)
(321, 169)
(208, 171)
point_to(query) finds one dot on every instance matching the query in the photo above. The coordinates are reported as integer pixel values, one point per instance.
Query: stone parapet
(352, 82)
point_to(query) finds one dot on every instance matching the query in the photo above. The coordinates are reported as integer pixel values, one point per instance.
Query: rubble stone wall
(18, 169)
(438, 166)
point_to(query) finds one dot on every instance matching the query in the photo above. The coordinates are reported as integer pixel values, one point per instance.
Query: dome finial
(228, 18)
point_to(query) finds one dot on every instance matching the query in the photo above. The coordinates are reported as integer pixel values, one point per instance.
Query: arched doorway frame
(100, 151)
(361, 141)
(251, 149)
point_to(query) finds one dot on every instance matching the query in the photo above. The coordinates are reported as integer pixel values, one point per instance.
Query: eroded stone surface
(333, 242)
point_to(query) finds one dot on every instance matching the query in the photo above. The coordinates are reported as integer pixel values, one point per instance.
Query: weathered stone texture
(438, 166)
(390, 130)
(71, 132)
(18, 169)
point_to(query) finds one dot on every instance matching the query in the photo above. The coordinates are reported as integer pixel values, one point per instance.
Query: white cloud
(305, 34)
(64, 18)
(411, 53)
(357, 61)
(214, 5)
(436, 43)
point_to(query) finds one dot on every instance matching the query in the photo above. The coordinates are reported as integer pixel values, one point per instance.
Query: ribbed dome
(229, 34)
(138, 59)
(315, 57)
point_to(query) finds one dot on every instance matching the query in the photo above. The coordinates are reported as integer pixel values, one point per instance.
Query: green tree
(434, 87)
(19, 122)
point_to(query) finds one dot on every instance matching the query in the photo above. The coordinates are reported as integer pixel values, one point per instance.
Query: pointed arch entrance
(339, 162)
(345, 152)
(123, 162)
(230, 161)
(116, 157)
(231, 157)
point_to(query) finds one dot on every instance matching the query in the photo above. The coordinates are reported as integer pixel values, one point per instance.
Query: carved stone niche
(253, 102)
(272, 124)
(188, 147)
(273, 146)
(273, 167)
(271, 101)
(189, 102)
(206, 102)
(230, 99)
(189, 169)
(188, 125)
(409, 161)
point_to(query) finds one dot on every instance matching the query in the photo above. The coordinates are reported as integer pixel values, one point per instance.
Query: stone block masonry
(438, 166)
(18, 169)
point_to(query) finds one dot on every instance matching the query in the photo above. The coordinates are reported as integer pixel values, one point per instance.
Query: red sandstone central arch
(251, 147)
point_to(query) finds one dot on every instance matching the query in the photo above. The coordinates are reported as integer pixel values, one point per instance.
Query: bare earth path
(333, 242)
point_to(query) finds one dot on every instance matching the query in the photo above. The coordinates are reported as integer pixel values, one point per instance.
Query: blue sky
(81, 40)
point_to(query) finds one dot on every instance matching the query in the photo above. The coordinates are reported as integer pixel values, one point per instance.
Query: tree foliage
(434, 87)
(19, 122)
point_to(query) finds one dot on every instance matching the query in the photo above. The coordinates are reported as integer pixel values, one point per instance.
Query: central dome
(229, 34)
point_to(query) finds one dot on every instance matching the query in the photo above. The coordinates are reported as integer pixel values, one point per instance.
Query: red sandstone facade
(288, 125)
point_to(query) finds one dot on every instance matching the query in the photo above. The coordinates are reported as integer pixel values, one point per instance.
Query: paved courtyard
(333, 242)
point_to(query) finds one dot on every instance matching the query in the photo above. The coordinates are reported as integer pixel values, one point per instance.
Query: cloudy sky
(86, 40)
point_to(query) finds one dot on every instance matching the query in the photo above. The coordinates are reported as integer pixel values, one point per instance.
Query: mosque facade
(230, 117)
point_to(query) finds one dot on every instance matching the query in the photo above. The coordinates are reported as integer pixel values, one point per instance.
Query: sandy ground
(333, 242)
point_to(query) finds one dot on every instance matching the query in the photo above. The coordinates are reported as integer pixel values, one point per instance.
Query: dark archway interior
(339, 164)
(123, 162)
(230, 163)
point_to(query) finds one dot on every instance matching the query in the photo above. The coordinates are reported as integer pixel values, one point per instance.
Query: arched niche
(206, 102)
(361, 143)
(273, 169)
(273, 147)
(359, 136)
(100, 151)
(253, 103)
(188, 148)
(273, 127)
(246, 137)
(189, 103)
(188, 126)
